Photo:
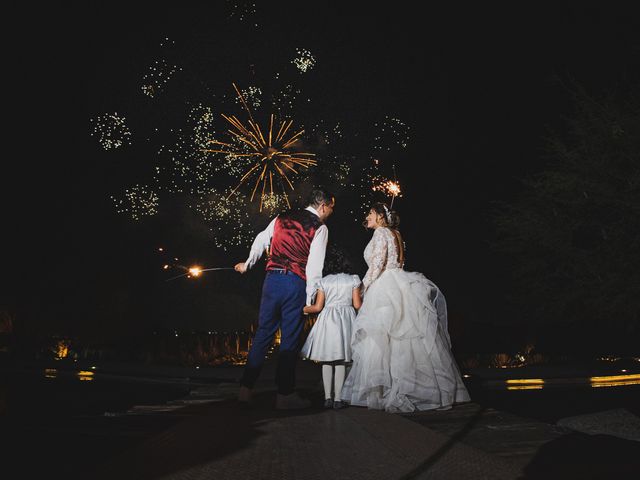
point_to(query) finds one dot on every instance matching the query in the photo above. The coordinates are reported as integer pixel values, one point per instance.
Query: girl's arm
(356, 297)
(316, 307)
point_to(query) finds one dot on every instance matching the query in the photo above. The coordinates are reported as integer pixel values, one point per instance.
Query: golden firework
(273, 154)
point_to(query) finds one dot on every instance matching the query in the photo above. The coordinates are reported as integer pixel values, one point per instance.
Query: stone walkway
(218, 439)
(225, 441)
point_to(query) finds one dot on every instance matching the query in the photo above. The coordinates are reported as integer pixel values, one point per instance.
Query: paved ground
(205, 434)
(222, 440)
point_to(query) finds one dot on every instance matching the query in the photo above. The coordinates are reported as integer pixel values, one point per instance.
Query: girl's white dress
(330, 337)
(402, 359)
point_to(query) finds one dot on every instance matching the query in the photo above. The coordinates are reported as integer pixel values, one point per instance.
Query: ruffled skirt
(402, 359)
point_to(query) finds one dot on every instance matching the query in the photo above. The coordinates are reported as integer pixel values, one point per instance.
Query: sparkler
(272, 154)
(195, 271)
(390, 187)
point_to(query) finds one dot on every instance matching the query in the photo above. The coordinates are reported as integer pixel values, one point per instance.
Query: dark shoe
(339, 404)
(244, 395)
(291, 402)
(328, 403)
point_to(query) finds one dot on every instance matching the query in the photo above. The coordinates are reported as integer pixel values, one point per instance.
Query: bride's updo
(390, 218)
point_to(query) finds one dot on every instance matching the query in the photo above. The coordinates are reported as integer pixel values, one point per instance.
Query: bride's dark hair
(390, 219)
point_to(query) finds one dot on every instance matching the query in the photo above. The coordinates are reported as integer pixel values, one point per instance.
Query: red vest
(292, 236)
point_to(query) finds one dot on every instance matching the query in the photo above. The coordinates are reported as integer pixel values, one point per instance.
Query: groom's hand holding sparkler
(240, 267)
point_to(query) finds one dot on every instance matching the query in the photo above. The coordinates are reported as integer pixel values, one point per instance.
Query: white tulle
(402, 359)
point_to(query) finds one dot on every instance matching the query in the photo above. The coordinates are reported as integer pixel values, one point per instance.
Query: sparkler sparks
(273, 154)
(389, 187)
(195, 271)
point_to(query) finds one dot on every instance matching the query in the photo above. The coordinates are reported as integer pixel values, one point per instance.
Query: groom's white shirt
(315, 261)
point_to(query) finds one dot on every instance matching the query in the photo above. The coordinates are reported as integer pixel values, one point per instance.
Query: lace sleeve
(378, 258)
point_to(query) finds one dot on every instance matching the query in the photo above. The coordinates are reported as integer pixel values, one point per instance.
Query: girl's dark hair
(336, 261)
(391, 220)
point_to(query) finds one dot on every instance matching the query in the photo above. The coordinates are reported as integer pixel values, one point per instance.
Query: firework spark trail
(272, 157)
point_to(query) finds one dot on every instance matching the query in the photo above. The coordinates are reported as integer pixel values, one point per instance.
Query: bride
(402, 360)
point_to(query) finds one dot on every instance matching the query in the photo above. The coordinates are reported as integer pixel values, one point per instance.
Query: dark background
(478, 85)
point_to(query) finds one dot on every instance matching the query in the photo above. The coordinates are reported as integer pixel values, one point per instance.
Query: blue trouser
(283, 298)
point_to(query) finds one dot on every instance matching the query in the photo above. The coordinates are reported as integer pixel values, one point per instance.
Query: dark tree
(573, 235)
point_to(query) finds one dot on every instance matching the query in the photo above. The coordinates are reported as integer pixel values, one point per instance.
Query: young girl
(329, 340)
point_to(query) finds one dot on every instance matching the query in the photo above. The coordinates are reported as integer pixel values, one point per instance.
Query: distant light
(161, 249)
(93, 367)
(85, 375)
(466, 376)
(526, 381)
(615, 378)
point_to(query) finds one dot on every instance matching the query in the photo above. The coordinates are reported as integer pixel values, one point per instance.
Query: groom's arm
(315, 262)
(259, 246)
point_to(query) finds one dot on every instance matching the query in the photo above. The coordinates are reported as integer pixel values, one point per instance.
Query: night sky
(478, 86)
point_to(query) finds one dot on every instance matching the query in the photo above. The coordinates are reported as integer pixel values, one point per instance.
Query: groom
(296, 242)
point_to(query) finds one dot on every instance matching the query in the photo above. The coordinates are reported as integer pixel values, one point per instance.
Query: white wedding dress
(402, 360)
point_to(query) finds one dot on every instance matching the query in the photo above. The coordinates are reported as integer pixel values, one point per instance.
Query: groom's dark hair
(320, 195)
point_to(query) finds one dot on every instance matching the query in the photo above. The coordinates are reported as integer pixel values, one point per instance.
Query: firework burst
(111, 131)
(273, 155)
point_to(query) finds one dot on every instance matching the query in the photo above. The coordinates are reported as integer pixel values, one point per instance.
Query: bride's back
(395, 248)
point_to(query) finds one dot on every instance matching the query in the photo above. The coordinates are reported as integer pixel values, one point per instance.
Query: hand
(240, 267)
